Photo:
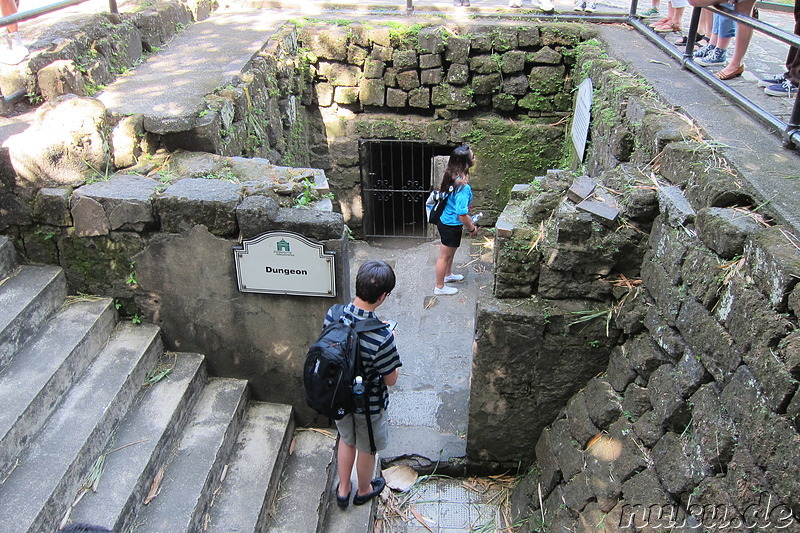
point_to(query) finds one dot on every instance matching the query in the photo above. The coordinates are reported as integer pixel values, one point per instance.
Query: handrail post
(112, 6)
(688, 54)
(409, 7)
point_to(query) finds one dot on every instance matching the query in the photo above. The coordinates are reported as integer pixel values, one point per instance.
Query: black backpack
(332, 364)
(435, 204)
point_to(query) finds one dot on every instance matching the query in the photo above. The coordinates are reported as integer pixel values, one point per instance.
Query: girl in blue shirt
(454, 217)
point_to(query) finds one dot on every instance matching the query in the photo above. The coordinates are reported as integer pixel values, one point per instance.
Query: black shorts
(451, 235)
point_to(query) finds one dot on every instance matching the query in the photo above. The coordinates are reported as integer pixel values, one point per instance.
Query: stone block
(675, 206)
(196, 201)
(678, 464)
(452, 97)
(51, 206)
(345, 95)
(620, 370)
(431, 40)
(712, 186)
(603, 403)
(659, 129)
(405, 60)
(484, 64)
(681, 160)
(390, 77)
(631, 313)
(125, 204)
(557, 516)
(59, 78)
(578, 493)
(381, 53)
(712, 429)
(641, 206)
(772, 260)
(372, 92)
(645, 355)
(516, 85)
(581, 189)
(339, 75)
(324, 93)
(566, 449)
(431, 76)
(503, 39)
(669, 407)
(428, 61)
(396, 97)
(127, 137)
(749, 317)
(549, 471)
(458, 74)
(701, 275)
(566, 284)
(528, 36)
(605, 212)
(635, 402)
(770, 438)
(374, 68)
(648, 430)
(101, 264)
(670, 246)
(708, 340)
(746, 481)
(330, 44)
(420, 98)
(256, 215)
(408, 80)
(547, 79)
(504, 102)
(642, 493)
(356, 55)
(725, 230)
(312, 223)
(486, 84)
(580, 423)
(560, 34)
(58, 150)
(545, 56)
(457, 49)
(710, 506)
(593, 518)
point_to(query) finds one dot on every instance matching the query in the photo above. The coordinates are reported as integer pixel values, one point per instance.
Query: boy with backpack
(381, 363)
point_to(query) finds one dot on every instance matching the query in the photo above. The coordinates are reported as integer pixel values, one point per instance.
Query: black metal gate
(395, 181)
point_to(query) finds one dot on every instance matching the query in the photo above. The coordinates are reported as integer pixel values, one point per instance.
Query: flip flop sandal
(683, 40)
(342, 502)
(378, 484)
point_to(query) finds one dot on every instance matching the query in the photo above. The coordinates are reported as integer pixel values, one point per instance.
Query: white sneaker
(546, 6)
(515, 3)
(453, 277)
(579, 5)
(590, 7)
(444, 291)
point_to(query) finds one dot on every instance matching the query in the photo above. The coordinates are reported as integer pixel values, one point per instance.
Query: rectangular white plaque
(582, 116)
(282, 262)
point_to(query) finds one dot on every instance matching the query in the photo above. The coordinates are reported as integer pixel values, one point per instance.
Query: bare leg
(677, 15)
(706, 25)
(346, 457)
(365, 467)
(444, 264)
(9, 7)
(743, 35)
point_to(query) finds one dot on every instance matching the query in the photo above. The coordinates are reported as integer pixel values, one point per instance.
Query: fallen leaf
(155, 486)
(400, 477)
(422, 520)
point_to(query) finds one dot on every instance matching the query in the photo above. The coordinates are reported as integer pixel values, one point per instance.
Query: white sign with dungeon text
(282, 262)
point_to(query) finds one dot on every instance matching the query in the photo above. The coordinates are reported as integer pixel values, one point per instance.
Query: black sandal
(683, 40)
(342, 502)
(378, 484)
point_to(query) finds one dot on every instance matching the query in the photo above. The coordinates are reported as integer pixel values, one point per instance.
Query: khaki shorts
(360, 437)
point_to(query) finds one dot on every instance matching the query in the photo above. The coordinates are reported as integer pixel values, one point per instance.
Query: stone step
(355, 519)
(9, 260)
(32, 384)
(38, 492)
(194, 471)
(305, 484)
(27, 300)
(142, 444)
(253, 473)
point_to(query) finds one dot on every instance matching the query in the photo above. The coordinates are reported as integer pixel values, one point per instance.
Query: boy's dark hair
(373, 279)
(83, 528)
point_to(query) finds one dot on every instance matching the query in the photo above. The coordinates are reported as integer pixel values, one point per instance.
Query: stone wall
(159, 239)
(692, 421)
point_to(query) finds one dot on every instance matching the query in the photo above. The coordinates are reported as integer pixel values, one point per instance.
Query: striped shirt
(378, 356)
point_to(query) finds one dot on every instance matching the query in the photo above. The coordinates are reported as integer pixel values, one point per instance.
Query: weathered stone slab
(340, 75)
(428, 61)
(51, 206)
(431, 40)
(635, 402)
(593, 518)
(603, 403)
(708, 340)
(126, 202)
(569, 457)
(663, 335)
(396, 97)
(580, 423)
(419, 97)
(329, 44)
(640, 493)
(405, 60)
(725, 230)
(669, 407)
(431, 76)
(674, 204)
(578, 493)
(372, 92)
(648, 430)
(547, 79)
(620, 370)
(374, 68)
(581, 189)
(59, 78)
(772, 259)
(645, 355)
(549, 473)
(701, 275)
(667, 296)
(408, 80)
(712, 428)
(196, 201)
(458, 74)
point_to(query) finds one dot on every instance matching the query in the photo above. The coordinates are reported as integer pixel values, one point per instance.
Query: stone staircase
(88, 433)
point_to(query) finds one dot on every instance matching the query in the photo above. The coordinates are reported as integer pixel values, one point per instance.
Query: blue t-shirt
(457, 204)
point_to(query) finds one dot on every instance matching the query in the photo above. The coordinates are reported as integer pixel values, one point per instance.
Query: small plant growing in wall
(132, 275)
(308, 195)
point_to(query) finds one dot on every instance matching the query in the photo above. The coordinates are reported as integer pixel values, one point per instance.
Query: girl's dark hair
(373, 279)
(457, 166)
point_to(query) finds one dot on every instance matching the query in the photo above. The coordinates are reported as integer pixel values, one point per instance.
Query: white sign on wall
(282, 262)
(582, 117)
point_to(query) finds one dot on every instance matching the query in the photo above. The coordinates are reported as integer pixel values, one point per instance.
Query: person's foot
(667, 28)
(342, 501)
(777, 79)
(728, 74)
(579, 5)
(546, 6)
(660, 22)
(590, 7)
(378, 484)
(704, 51)
(652, 12)
(515, 3)
(786, 88)
(716, 58)
(445, 291)
(453, 277)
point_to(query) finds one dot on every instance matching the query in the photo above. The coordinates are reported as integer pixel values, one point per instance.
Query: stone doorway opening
(396, 176)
